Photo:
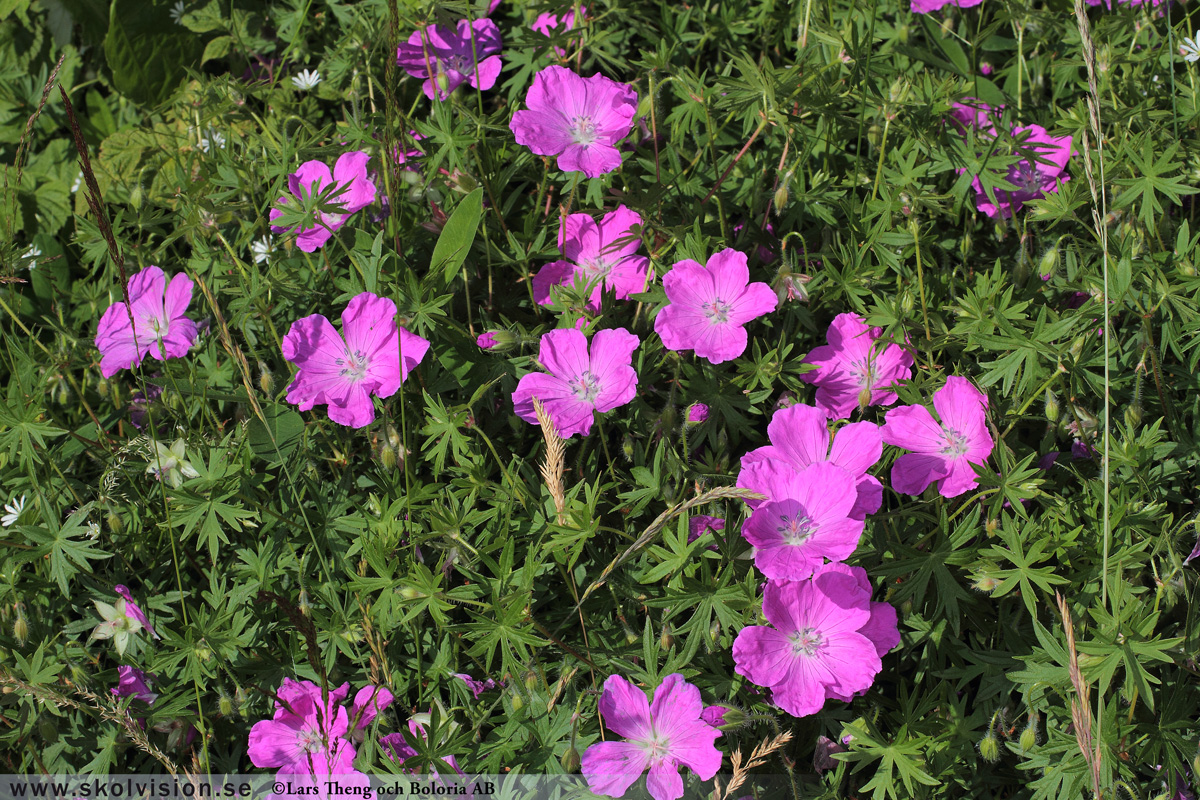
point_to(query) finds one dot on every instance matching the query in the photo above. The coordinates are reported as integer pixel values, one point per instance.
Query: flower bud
(985, 583)
(303, 605)
(20, 626)
(114, 522)
(518, 702)
(266, 381)
(627, 447)
(989, 746)
(696, 413)
(990, 527)
(570, 760)
(714, 631)
(497, 340)
(1133, 415)
(781, 194)
(631, 636)
(102, 387)
(1029, 735)
(1052, 409)
(906, 302)
(409, 593)
(864, 398)
(225, 706)
(667, 640)
(387, 458)
(531, 681)
(1049, 263)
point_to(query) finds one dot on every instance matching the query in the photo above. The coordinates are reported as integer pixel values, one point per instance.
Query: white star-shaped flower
(12, 511)
(261, 249)
(306, 80)
(177, 12)
(1190, 48)
(171, 463)
(213, 139)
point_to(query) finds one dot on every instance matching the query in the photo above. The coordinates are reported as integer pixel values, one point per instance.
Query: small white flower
(93, 530)
(213, 139)
(261, 249)
(32, 254)
(13, 509)
(306, 80)
(171, 463)
(1190, 48)
(177, 12)
(78, 182)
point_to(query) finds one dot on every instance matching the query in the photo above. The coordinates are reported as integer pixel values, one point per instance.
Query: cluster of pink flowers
(1032, 179)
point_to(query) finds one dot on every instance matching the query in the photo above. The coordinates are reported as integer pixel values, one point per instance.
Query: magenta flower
(132, 682)
(942, 451)
(133, 610)
(806, 521)
(815, 645)
(354, 191)
(580, 120)
(305, 735)
(710, 304)
(602, 254)
(447, 58)
(881, 628)
(799, 437)
(701, 524)
(696, 413)
(715, 716)
(400, 750)
(374, 359)
(659, 736)
(1033, 181)
(851, 369)
(368, 703)
(158, 326)
(974, 113)
(547, 23)
(579, 382)
(925, 6)
(477, 687)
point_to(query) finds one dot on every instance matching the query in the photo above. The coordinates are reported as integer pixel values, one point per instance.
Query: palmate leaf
(1149, 182)
(68, 548)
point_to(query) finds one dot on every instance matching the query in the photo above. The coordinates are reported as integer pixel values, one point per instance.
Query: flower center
(1027, 177)
(864, 372)
(585, 387)
(795, 530)
(310, 740)
(593, 268)
(657, 748)
(354, 366)
(956, 444)
(583, 130)
(805, 642)
(717, 311)
(459, 63)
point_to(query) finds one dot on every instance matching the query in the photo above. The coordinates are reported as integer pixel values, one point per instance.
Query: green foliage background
(427, 543)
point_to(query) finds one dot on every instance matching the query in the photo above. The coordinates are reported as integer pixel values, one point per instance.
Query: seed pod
(1133, 415)
(570, 760)
(1052, 408)
(387, 458)
(781, 194)
(225, 706)
(303, 604)
(1029, 734)
(20, 626)
(1049, 263)
(531, 681)
(517, 702)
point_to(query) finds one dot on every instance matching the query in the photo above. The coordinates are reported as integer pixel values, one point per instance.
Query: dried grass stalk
(1081, 707)
(552, 467)
(758, 757)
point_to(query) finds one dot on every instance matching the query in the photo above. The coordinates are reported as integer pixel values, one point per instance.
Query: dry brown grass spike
(552, 467)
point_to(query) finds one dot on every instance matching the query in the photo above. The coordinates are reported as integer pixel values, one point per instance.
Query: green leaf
(458, 235)
(147, 52)
(276, 438)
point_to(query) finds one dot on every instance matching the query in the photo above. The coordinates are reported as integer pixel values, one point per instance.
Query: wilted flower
(374, 358)
(660, 736)
(446, 58)
(477, 687)
(171, 463)
(598, 254)
(710, 306)
(580, 120)
(133, 610)
(118, 625)
(132, 682)
(306, 79)
(351, 191)
(581, 380)
(158, 326)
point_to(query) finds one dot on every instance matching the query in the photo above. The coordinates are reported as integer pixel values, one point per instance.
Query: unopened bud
(114, 522)
(864, 397)
(714, 631)
(1049, 263)
(667, 640)
(667, 419)
(1052, 408)
(570, 760)
(989, 746)
(135, 197)
(631, 636)
(906, 302)
(266, 381)
(409, 593)
(627, 447)
(531, 680)
(781, 194)
(497, 340)
(21, 626)
(387, 458)
(225, 706)
(696, 413)
(1133, 415)
(964, 245)
(239, 701)
(102, 387)
(990, 527)
(985, 583)
(1029, 735)
(517, 701)
(303, 605)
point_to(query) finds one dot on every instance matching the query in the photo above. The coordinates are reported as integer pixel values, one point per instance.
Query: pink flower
(1032, 180)
(446, 58)
(352, 192)
(851, 369)
(133, 610)
(806, 521)
(374, 359)
(367, 704)
(710, 304)
(132, 682)
(400, 750)
(715, 716)
(477, 687)
(659, 736)
(925, 6)
(580, 120)
(701, 524)
(579, 382)
(696, 413)
(816, 648)
(942, 451)
(305, 735)
(547, 23)
(799, 437)
(600, 254)
(158, 326)
(974, 113)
